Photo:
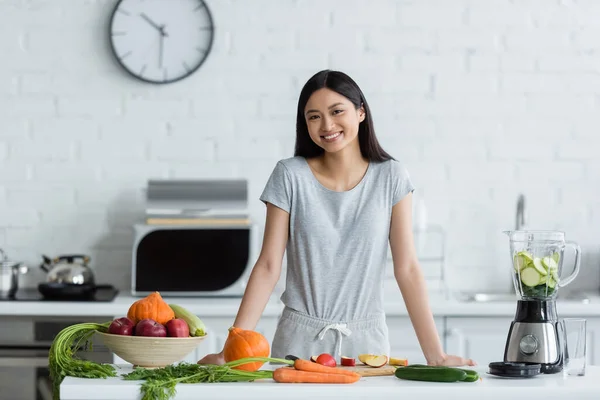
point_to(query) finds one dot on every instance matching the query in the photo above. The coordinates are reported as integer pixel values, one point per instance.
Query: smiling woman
(334, 208)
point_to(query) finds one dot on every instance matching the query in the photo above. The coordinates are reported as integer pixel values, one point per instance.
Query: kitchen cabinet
(403, 340)
(484, 339)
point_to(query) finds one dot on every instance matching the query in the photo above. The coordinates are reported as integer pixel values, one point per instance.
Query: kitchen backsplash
(481, 100)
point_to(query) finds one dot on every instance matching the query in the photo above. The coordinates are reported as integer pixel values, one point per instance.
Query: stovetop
(103, 293)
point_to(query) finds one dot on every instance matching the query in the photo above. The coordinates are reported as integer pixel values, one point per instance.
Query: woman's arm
(266, 271)
(412, 285)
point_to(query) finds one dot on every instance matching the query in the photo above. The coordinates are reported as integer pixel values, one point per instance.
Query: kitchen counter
(441, 305)
(491, 387)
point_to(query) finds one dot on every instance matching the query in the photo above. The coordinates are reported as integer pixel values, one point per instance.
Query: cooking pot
(68, 276)
(9, 276)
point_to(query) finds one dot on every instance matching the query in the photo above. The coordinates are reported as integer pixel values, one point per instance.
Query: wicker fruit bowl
(150, 352)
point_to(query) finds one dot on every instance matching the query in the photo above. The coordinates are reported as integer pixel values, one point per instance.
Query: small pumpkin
(242, 343)
(153, 307)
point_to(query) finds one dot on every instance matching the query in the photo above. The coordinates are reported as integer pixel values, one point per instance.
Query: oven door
(24, 374)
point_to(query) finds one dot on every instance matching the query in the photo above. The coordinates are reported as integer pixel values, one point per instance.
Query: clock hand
(161, 50)
(154, 24)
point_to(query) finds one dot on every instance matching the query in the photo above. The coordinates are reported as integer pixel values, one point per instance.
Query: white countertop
(222, 307)
(542, 386)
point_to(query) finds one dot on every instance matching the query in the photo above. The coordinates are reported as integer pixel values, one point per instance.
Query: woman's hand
(452, 361)
(214, 359)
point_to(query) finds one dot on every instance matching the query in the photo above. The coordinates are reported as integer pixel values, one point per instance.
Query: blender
(537, 265)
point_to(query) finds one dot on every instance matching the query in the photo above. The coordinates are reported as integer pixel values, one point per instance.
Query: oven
(24, 346)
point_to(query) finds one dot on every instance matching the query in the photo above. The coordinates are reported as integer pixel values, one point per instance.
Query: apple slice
(348, 361)
(327, 360)
(376, 361)
(398, 361)
(363, 357)
(313, 358)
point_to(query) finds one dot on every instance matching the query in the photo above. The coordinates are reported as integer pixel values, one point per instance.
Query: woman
(335, 206)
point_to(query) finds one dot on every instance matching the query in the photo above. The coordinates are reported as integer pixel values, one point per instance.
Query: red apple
(327, 360)
(348, 361)
(177, 327)
(122, 326)
(149, 327)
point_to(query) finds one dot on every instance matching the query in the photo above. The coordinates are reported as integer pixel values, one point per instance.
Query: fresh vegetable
(471, 376)
(307, 366)
(375, 361)
(327, 360)
(197, 327)
(432, 374)
(177, 328)
(160, 382)
(347, 361)
(538, 275)
(398, 361)
(151, 307)
(243, 343)
(292, 375)
(122, 326)
(63, 362)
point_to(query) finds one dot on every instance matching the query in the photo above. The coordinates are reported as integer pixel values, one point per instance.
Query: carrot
(309, 366)
(291, 375)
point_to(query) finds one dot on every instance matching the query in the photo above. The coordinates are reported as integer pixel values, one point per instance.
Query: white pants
(304, 336)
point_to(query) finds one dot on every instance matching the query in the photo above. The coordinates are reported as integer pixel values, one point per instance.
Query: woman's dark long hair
(344, 85)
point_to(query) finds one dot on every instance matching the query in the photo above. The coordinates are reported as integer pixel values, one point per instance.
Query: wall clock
(161, 41)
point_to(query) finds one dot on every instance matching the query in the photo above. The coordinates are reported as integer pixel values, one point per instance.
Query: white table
(540, 387)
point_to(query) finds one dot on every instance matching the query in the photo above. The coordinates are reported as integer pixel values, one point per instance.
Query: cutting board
(365, 370)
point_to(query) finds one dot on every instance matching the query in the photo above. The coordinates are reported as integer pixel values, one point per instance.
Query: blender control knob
(528, 345)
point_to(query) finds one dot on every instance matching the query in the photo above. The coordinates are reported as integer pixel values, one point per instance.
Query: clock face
(161, 41)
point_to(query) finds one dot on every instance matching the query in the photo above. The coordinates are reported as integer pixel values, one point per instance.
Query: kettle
(69, 269)
(9, 276)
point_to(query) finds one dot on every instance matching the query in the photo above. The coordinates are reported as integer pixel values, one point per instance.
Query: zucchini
(435, 374)
(472, 376)
(197, 327)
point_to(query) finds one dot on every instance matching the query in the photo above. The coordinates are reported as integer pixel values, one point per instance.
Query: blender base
(533, 336)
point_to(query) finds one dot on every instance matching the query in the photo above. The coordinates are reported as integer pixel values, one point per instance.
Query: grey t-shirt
(338, 241)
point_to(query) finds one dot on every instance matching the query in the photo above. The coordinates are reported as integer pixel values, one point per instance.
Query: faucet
(520, 217)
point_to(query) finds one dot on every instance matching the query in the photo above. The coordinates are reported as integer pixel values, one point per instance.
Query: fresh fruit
(363, 357)
(398, 361)
(313, 358)
(347, 361)
(150, 327)
(242, 343)
(195, 324)
(376, 361)
(432, 374)
(151, 307)
(327, 360)
(177, 328)
(122, 326)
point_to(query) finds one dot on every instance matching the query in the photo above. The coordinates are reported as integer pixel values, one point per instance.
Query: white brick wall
(482, 100)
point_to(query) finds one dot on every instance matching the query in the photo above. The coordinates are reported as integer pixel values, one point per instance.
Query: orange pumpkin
(243, 343)
(152, 306)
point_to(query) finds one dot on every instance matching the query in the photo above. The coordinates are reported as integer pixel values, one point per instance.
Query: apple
(348, 361)
(398, 361)
(327, 360)
(177, 327)
(376, 361)
(122, 326)
(313, 358)
(149, 327)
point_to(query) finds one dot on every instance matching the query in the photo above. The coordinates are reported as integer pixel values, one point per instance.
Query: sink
(512, 297)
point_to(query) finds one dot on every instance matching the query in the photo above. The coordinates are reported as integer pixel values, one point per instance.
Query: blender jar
(537, 263)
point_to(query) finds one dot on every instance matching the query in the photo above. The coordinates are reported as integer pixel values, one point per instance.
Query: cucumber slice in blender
(537, 264)
(549, 263)
(556, 257)
(519, 262)
(554, 275)
(530, 277)
(526, 256)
